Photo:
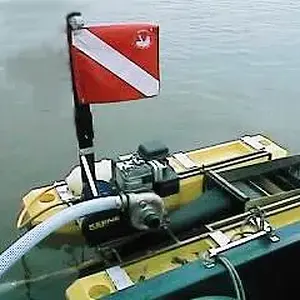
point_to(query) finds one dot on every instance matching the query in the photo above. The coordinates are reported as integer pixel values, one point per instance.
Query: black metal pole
(82, 114)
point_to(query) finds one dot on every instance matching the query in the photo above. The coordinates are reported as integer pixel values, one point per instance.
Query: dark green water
(229, 67)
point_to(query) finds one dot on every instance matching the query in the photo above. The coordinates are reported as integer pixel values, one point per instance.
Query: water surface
(229, 68)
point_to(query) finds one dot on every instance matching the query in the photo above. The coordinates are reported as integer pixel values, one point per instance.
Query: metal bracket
(76, 21)
(263, 225)
(219, 237)
(184, 160)
(215, 251)
(63, 191)
(119, 277)
(263, 229)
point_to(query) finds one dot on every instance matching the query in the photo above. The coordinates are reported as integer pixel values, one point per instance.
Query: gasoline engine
(146, 170)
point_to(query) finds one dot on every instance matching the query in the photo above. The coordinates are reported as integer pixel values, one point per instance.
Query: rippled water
(229, 67)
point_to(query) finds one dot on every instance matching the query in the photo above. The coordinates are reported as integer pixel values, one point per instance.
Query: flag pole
(83, 118)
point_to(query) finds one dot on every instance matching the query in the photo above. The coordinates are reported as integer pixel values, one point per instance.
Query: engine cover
(134, 175)
(147, 170)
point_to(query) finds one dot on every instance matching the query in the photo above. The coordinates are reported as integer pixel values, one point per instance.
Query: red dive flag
(114, 63)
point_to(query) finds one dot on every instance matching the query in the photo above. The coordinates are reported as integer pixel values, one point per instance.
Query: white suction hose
(30, 239)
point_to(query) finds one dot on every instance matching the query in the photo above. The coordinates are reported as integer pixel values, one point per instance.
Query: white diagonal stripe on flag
(115, 62)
